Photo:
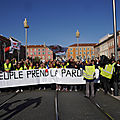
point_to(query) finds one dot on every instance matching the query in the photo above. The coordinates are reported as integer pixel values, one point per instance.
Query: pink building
(41, 51)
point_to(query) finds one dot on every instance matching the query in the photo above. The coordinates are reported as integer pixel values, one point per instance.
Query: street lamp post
(26, 26)
(115, 29)
(77, 36)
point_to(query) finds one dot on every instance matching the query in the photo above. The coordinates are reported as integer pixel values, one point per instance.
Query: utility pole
(115, 29)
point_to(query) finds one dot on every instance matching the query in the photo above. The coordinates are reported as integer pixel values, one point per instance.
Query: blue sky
(56, 21)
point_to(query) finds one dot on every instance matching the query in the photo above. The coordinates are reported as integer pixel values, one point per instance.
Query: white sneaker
(44, 88)
(59, 89)
(40, 88)
(17, 91)
(75, 90)
(112, 89)
(21, 90)
(70, 90)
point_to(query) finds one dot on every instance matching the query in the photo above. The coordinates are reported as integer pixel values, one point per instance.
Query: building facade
(6, 41)
(41, 51)
(106, 46)
(81, 51)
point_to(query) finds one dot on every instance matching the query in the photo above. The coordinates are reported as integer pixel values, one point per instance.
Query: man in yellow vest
(106, 74)
(89, 76)
(7, 66)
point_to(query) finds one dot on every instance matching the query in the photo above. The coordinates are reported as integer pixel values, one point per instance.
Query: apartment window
(31, 53)
(76, 48)
(43, 49)
(31, 49)
(43, 57)
(84, 48)
(80, 48)
(80, 52)
(91, 53)
(39, 53)
(76, 52)
(91, 48)
(70, 48)
(34, 53)
(87, 48)
(34, 49)
(49, 53)
(43, 53)
(27, 53)
(84, 52)
(71, 52)
(38, 49)
(92, 57)
(71, 57)
(48, 57)
(87, 52)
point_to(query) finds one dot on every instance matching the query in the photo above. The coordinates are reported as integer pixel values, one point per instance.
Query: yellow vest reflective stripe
(21, 68)
(7, 68)
(108, 71)
(114, 65)
(89, 71)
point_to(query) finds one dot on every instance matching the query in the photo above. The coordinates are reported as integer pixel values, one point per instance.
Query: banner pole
(4, 50)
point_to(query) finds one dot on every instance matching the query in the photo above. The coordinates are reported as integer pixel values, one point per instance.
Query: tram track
(101, 109)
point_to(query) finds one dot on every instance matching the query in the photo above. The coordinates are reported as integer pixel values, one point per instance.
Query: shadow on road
(12, 112)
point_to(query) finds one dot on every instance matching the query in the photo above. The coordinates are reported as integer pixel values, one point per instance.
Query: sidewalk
(117, 97)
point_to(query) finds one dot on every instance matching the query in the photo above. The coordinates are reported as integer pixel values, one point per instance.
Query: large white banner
(40, 76)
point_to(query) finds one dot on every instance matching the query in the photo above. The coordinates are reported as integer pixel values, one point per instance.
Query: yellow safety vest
(64, 66)
(68, 64)
(25, 68)
(108, 71)
(7, 68)
(89, 71)
(30, 68)
(41, 68)
(21, 68)
(114, 65)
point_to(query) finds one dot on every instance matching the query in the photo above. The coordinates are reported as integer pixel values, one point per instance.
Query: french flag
(47, 67)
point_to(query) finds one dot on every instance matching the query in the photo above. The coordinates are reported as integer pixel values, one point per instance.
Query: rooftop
(35, 46)
(83, 44)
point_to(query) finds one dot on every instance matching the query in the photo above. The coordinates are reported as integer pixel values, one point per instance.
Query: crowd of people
(29, 64)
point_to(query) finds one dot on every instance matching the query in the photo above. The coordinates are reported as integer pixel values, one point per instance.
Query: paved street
(40, 105)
